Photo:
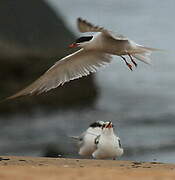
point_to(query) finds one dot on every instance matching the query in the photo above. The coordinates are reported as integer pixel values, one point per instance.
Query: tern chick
(87, 138)
(108, 145)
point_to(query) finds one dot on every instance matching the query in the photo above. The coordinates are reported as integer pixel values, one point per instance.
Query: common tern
(86, 139)
(95, 52)
(108, 145)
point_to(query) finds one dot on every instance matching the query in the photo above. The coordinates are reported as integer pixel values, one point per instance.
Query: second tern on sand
(99, 141)
(86, 139)
(108, 145)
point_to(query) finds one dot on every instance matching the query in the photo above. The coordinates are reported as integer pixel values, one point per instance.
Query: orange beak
(73, 45)
(109, 125)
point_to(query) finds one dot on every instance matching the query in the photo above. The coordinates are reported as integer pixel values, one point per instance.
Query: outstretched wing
(74, 66)
(85, 26)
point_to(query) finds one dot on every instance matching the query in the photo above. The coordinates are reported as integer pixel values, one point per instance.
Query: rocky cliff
(32, 38)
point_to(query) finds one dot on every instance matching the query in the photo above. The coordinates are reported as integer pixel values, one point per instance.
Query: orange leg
(129, 65)
(132, 60)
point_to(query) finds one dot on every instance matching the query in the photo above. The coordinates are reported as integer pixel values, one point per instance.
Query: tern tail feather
(143, 53)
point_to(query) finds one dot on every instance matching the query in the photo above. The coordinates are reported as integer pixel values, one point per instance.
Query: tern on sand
(108, 145)
(86, 139)
(95, 52)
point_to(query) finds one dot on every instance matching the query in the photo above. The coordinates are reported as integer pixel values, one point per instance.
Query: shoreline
(14, 167)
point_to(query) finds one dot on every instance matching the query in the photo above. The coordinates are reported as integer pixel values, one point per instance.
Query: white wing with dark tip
(73, 66)
(85, 26)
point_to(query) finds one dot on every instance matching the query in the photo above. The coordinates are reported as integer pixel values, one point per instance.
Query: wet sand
(20, 168)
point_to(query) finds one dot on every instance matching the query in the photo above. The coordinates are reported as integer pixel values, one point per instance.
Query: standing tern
(108, 144)
(95, 52)
(86, 139)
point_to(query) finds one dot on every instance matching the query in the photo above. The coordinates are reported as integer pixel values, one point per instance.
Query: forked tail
(143, 53)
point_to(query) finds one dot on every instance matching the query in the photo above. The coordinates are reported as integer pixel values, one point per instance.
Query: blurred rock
(32, 38)
(53, 151)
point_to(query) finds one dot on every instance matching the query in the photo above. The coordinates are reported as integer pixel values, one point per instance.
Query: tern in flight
(95, 52)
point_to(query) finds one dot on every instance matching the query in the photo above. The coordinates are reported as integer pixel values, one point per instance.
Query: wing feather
(74, 66)
(85, 26)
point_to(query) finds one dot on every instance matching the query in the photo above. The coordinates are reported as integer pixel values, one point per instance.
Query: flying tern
(95, 52)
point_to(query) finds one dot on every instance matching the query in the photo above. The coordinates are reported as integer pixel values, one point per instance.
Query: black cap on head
(96, 124)
(84, 39)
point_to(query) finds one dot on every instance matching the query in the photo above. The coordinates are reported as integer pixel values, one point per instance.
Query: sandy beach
(20, 168)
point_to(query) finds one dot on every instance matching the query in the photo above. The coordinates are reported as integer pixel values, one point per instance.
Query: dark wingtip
(79, 19)
(15, 96)
(6, 99)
